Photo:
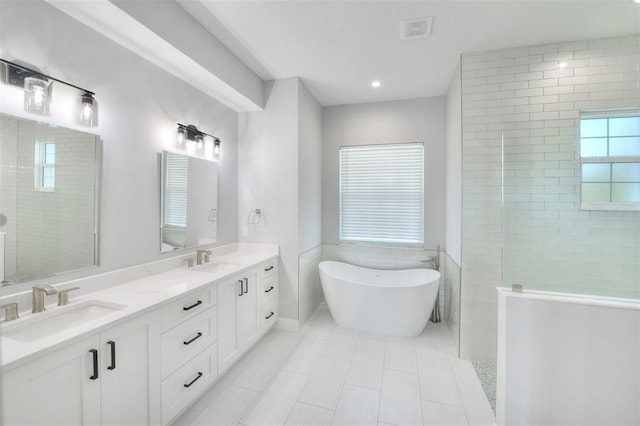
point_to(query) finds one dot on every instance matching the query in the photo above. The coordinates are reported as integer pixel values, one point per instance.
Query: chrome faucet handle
(189, 262)
(63, 295)
(10, 311)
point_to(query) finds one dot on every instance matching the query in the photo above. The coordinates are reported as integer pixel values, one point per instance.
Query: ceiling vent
(418, 28)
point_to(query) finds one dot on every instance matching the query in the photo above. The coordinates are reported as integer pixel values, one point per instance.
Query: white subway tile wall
(521, 178)
(451, 276)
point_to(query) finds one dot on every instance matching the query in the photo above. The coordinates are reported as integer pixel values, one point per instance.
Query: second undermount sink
(59, 320)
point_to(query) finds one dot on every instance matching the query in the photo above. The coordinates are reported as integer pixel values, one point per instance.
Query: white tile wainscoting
(325, 374)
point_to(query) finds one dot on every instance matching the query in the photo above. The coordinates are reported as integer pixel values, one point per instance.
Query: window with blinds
(382, 193)
(175, 190)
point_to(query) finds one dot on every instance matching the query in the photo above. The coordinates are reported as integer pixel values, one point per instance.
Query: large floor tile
(228, 408)
(366, 367)
(357, 406)
(260, 368)
(400, 398)
(276, 403)
(438, 385)
(401, 357)
(435, 414)
(309, 415)
(476, 405)
(325, 384)
(341, 345)
(304, 358)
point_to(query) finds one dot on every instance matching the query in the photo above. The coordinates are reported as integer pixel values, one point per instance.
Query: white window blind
(175, 190)
(382, 193)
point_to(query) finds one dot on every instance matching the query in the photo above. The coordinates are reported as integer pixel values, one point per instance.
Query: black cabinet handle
(241, 287)
(186, 385)
(270, 288)
(113, 355)
(268, 269)
(269, 316)
(186, 308)
(246, 283)
(95, 364)
(188, 342)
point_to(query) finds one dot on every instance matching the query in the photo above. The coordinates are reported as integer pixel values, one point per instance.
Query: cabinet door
(248, 311)
(55, 389)
(130, 372)
(228, 301)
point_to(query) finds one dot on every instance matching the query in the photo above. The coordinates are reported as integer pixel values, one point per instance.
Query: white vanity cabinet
(111, 378)
(268, 294)
(238, 320)
(189, 349)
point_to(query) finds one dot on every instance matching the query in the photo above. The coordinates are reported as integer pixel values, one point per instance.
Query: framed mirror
(188, 202)
(49, 199)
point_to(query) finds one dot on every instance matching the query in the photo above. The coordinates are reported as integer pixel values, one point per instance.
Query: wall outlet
(245, 231)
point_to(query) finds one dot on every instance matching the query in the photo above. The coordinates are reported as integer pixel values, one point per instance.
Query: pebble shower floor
(328, 375)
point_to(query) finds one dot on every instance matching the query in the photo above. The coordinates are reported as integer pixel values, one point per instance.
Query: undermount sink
(215, 267)
(49, 323)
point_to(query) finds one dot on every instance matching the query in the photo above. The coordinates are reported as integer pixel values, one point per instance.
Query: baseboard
(287, 324)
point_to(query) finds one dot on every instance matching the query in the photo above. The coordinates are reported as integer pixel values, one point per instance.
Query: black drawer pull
(268, 269)
(95, 364)
(269, 316)
(246, 283)
(241, 287)
(113, 355)
(187, 385)
(270, 288)
(188, 342)
(186, 308)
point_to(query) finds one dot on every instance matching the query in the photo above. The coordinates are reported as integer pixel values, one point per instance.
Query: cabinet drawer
(187, 339)
(269, 268)
(269, 314)
(269, 287)
(182, 387)
(186, 307)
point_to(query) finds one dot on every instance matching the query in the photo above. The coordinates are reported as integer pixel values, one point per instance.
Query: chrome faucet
(203, 256)
(38, 296)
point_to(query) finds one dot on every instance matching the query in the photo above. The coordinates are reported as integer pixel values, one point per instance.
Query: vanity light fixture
(190, 135)
(37, 91)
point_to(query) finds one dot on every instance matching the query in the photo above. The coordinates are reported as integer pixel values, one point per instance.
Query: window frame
(346, 237)
(606, 159)
(41, 165)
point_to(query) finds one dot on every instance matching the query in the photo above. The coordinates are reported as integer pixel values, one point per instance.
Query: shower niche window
(610, 160)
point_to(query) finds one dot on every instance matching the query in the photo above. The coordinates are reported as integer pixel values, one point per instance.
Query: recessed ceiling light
(376, 83)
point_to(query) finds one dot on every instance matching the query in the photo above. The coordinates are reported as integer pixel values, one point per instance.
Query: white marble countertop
(137, 297)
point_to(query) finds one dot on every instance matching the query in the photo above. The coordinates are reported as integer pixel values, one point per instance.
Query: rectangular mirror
(189, 202)
(49, 199)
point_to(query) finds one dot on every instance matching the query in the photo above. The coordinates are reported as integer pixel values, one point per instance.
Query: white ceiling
(339, 47)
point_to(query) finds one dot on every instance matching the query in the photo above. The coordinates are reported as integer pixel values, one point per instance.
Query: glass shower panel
(549, 244)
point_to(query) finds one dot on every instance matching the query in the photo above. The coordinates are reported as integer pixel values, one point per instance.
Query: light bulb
(37, 95)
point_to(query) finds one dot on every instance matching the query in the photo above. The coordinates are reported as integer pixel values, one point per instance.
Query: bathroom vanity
(139, 352)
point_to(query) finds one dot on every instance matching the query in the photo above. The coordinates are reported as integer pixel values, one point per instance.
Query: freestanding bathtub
(390, 302)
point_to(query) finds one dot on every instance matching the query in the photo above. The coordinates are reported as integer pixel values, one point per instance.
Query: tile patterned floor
(329, 375)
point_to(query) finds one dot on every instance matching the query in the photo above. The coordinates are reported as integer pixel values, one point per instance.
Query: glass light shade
(199, 139)
(88, 115)
(208, 148)
(181, 135)
(37, 95)
(216, 148)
